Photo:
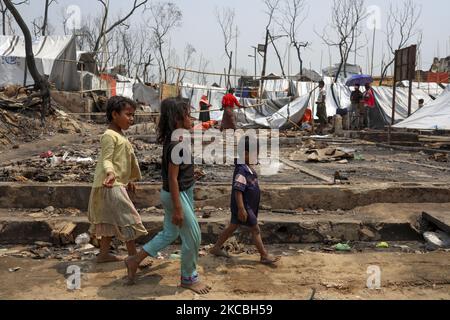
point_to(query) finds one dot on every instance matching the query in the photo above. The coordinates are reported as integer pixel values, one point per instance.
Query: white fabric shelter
(433, 116)
(55, 56)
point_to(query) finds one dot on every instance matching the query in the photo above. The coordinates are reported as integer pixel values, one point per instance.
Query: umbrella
(361, 79)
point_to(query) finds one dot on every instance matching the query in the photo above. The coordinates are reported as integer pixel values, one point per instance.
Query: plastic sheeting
(430, 88)
(274, 114)
(384, 96)
(147, 95)
(195, 92)
(433, 116)
(93, 82)
(55, 57)
(275, 89)
(124, 87)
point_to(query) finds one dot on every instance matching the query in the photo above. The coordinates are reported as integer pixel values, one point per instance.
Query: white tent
(274, 114)
(55, 56)
(433, 116)
(194, 93)
(124, 86)
(384, 97)
(431, 88)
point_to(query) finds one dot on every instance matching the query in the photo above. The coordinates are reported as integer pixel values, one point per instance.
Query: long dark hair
(172, 111)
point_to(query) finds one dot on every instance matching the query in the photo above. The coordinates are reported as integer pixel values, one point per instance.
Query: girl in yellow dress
(111, 212)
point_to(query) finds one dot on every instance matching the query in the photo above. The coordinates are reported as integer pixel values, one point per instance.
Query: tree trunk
(263, 73)
(164, 69)
(230, 67)
(384, 72)
(44, 26)
(300, 60)
(40, 82)
(278, 55)
(102, 32)
(4, 23)
(336, 78)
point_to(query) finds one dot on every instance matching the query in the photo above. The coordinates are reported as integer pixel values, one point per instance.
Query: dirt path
(335, 276)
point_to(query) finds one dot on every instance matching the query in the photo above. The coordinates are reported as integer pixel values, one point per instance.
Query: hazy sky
(200, 29)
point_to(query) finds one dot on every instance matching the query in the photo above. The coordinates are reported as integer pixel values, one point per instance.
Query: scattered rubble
(437, 240)
(20, 118)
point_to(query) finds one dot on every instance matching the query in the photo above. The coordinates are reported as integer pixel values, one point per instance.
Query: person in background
(229, 102)
(321, 107)
(369, 105)
(357, 107)
(204, 109)
(307, 121)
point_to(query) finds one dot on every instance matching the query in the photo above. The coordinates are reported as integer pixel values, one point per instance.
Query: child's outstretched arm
(178, 217)
(242, 212)
(107, 144)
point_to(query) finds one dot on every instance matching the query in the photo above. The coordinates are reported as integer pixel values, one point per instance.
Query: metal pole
(236, 59)
(263, 73)
(256, 76)
(373, 47)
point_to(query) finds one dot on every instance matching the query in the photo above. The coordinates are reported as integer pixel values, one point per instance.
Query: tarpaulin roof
(268, 117)
(433, 116)
(55, 57)
(384, 97)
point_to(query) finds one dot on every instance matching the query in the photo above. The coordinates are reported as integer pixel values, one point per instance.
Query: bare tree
(41, 83)
(41, 25)
(89, 30)
(104, 31)
(401, 29)
(271, 9)
(148, 60)
(226, 20)
(202, 66)
(165, 17)
(347, 15)
(294, 13)
(145, 58)
(188, 57)
(129, 44)
(48, 3)
(6, 18)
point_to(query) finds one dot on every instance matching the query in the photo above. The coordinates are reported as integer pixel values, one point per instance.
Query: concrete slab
(277, 196)
(22, 229)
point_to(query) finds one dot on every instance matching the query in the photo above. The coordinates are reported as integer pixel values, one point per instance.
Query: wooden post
(411, 73)
(410, 97)
(81, 79)
(178, 81)
(394, 91)
(263, 73)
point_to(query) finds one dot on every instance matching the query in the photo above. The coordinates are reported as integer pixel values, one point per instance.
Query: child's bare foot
(146, 263)
(219, 253)
(106, 258)
(132, 266)
(269, 260)
(199, 287)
